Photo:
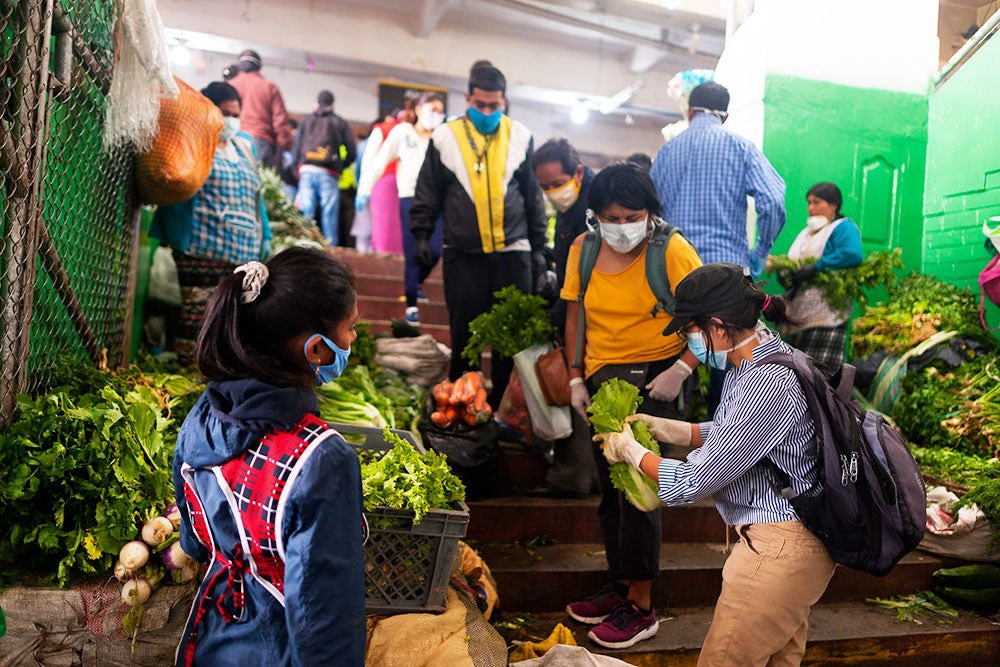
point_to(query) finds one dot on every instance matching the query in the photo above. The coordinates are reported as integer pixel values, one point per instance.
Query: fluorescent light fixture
(180, 55)
(579, 113)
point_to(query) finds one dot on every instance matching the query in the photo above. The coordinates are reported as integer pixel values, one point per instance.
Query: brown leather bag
(552, 370)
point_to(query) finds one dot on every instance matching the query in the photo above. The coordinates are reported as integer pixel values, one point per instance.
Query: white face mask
(429, 118)
(230, 126)
(817, 222)
(626, 236)
(564, 196)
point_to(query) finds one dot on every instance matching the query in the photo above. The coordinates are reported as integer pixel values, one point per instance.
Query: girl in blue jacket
(270, 495)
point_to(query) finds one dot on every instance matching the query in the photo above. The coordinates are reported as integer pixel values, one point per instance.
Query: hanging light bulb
(180, 55)
(579, 113)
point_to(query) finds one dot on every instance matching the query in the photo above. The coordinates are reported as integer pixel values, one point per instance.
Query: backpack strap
(588, 257)
(656, 267)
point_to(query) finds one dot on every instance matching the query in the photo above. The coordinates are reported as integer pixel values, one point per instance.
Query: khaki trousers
(775, 574)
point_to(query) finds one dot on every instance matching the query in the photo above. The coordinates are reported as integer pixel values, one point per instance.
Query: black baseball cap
(707, 290)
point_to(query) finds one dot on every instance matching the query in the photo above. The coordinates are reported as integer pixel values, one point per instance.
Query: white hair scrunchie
(255, 276)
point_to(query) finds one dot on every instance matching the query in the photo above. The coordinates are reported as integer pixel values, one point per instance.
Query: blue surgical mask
(485, 124)
(330, 372)
(718, 359)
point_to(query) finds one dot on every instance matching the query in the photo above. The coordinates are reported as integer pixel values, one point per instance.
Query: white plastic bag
(547, 422)
(163, 283)
(991, 230)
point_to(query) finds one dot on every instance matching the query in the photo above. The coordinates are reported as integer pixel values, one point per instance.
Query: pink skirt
(387, 235)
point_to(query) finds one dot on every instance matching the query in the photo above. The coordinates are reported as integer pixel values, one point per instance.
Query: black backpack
(656, 273)
(868, 506)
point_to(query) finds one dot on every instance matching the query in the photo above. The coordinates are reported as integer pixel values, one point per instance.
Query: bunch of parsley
(514, 323)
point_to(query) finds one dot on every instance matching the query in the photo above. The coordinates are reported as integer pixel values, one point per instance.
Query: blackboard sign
(393, 95)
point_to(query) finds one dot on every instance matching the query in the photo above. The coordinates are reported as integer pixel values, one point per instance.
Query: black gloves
(538, 265)
(793, 281)
(422, 254)
(804, 274)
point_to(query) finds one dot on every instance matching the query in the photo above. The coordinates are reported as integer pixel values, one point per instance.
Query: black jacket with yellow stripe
(485, 209)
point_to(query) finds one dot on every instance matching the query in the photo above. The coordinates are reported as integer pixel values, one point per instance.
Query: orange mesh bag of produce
(180, 160)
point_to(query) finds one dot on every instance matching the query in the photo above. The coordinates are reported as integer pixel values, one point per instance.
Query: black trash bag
(473, 453)
(867, 368)
(953, 353)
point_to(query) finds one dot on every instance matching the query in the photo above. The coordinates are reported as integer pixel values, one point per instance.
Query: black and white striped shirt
(763, 413)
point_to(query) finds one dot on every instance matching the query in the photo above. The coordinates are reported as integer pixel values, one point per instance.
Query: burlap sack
(180, 160)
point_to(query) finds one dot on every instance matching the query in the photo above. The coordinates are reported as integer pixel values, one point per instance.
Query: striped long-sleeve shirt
(763, 413)
(703, 177)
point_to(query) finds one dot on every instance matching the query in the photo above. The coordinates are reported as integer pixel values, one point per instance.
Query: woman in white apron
(835, 242)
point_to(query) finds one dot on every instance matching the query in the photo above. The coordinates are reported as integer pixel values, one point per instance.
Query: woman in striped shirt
(778, 570)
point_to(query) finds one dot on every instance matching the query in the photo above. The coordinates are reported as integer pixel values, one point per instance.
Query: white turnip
(157, 530)
(173, 515)
(175, 558)
(133, 555)
(135, 592)
(186, 573)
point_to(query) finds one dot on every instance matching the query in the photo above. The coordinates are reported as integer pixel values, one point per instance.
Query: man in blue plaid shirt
(703, 177)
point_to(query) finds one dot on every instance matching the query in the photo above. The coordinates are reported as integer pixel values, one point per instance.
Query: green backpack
(656, 274)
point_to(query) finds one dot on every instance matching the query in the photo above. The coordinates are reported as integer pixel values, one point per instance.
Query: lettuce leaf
(614, 401)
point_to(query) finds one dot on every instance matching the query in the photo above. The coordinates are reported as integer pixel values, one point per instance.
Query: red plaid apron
(255, 486)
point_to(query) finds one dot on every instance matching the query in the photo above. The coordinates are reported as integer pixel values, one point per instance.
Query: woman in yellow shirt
(623, 338)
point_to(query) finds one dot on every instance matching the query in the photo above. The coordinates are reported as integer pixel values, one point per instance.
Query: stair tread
(683, 630)
(504, 558)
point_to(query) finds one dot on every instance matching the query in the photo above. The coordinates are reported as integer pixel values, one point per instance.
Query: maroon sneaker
(594, 609)
(625, 626)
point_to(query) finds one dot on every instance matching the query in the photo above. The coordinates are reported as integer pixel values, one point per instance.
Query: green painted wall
(871, 143)
(963, 169)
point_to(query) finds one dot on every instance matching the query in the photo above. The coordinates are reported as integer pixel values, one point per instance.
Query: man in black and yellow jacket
(477, 174)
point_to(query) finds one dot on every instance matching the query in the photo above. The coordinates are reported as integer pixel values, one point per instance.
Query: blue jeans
(324, 189)
(416, 275)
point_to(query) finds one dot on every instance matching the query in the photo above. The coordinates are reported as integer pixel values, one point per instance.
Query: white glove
(579, 398)
(671, 431)
(622, 447)
(667, 385)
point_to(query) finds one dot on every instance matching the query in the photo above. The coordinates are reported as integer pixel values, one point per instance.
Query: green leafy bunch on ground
(514, 323)
(406, 479)
(842, 287)
(83, 465)
(918, 307)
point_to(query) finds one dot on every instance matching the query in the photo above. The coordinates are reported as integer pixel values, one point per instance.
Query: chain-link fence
(67, 218)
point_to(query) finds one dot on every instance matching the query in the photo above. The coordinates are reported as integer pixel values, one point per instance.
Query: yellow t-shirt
(620, 327)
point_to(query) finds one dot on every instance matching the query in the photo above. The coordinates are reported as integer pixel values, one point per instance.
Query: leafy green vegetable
(376, 399)
(288, 226)
(840, 288)
(614, 401)
(986, 494)
(909, 606)
(516, 322)
(84, 465)
(918, 307)
(406, 479)
(363, 347)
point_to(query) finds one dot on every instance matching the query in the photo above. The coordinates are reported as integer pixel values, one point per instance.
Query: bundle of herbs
(841, 288)
(917, 308)
(288, 225)
(514, 323)
(83, 466)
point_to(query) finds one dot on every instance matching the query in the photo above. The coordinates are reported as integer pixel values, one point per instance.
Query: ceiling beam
(429, 14)
(644, 57)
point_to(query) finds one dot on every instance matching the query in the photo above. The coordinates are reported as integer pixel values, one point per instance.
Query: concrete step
(570, 521)
(547, 578)
(373, 284)
(383, 264)
(390, 308)
(840, 635)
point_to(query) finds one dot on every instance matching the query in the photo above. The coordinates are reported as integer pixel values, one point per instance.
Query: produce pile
(85, 464)
(461, 401)
(288, 226)
(970, 586)
(514, 323)
(404, 478)
(918, 307)
(949, 410)
(841, 288)
(613, 402)
(376, 399)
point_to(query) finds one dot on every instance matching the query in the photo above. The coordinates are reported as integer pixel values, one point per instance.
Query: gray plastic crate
(407, 567)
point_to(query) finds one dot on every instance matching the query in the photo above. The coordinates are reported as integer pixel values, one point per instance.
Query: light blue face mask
(718, 358)
(486, 124)
(330, 372)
